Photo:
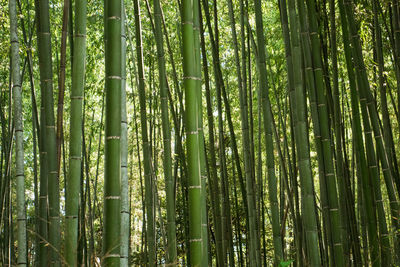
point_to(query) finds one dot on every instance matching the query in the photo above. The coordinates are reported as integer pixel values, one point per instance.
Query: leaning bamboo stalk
(19, 138)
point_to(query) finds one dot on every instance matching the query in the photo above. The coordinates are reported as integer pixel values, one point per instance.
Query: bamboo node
(187, 22)
(191, 78)
(114, 17)
(195, 240)
(195, 187)
(114, 77)
(112, 197)
(113, 137)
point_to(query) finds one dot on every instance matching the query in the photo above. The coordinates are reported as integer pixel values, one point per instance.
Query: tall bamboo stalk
(166, 133)
(367, 194)
(191, 125)
(75, 160)
(112, 173)
(149, 200)
(323, 123)
(125, 207)
(267, 115)
(212, 166)
(49, 163)
(202, 151)
(299, 116)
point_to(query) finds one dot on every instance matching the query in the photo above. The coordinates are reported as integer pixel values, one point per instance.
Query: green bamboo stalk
(291, 95)
(362, 169)
(192, 140)
(149, 200)
(112, 173)
(310, 85)
(302, 145)
(61, 81)
(202, 152)
(329, 173)
(43, 194)
(338, 137)
(221, 139)
(213, 176)
(19, 138)
(343, 179)
(272, 182)
(75, 160)
(375, 182)
(242, 87)
(48, 135)
(222, 159)
(125, 207)
(166, 132)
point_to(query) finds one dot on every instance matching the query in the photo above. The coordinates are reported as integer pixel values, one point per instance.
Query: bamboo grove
(200, 133)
